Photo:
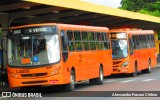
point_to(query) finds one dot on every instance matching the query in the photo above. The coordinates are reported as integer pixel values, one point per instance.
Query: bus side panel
(108, 63)
(131, 63)
(74, 61)
(138, 57)
(145, 60)
(91, 64)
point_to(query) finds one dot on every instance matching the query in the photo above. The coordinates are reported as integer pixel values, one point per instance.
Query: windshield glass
(119, 49)
(33, 50)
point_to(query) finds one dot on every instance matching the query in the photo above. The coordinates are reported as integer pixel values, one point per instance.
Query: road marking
(127, 81)
(109, 81)
(147, 80)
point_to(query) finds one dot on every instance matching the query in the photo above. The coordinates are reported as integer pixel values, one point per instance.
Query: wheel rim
(72, 81)
(101, 75)
(149, 67)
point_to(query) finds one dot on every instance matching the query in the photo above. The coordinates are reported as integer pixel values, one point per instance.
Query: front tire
(134, 74)
(92, 81)
(148, 70)
(71, 86)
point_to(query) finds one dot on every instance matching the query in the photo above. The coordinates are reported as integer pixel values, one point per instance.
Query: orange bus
(133, 50)
(58, 54)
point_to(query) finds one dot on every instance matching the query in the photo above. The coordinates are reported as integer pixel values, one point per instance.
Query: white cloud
(110, 3)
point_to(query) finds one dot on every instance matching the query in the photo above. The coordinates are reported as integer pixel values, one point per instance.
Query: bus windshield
(31, 50)
(119, 48)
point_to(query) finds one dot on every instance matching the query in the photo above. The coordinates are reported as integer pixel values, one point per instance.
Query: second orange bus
(133, 50)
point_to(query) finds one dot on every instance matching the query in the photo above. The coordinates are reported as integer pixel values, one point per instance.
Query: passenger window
(85, 42)
(77, 35)
(92, 40)
(104, 36)
(98, 40)
(78, 43)
(71, 40)
(105, 41)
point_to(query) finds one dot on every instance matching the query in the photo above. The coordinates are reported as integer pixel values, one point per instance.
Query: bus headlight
(55, 72)
(13, 75)
(125, 64)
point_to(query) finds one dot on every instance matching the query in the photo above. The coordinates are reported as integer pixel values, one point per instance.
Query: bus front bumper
(36, 81)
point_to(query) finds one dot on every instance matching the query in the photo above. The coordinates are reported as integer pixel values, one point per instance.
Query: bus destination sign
(118, 35)
(34, 30)
(45, 29)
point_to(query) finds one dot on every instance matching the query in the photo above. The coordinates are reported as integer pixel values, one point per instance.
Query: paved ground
(114, 84)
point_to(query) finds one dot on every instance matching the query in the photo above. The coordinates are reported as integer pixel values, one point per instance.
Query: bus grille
(114, 70)
(33, 75)
(115, 66)
(116, 62)
(34, 82)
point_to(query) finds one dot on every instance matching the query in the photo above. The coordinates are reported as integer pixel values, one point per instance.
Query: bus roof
(133, 31)
(65, 26)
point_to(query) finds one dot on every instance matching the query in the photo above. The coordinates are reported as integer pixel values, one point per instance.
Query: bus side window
(78, 43)
(98, 40)
(106, 42)
(64, 45)
(152, 40)
(71, 40)
(148, 41)
(131, 45)
(92, 40)
(85, 40)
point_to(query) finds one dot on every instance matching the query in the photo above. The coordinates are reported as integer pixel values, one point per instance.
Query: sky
(110, 3)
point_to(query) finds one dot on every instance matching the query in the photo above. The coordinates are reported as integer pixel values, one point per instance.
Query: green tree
(151, 7)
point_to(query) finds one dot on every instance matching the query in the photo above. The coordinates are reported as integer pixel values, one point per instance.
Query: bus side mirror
(65, 38)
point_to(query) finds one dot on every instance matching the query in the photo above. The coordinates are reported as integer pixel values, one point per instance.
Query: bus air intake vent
(114, 70)
(33, 75)
(116, 62)
(115, 66)
(34, 82)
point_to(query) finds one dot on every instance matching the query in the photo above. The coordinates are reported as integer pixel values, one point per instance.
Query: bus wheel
(92, 81)
(148, 70)
(135, 71)
(71, 86)
(99, 80)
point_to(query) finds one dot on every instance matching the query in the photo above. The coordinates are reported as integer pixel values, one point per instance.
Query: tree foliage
(151, 7)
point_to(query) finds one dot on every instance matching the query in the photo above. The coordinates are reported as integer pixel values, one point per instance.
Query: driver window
(131, 45)
(64, 46)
